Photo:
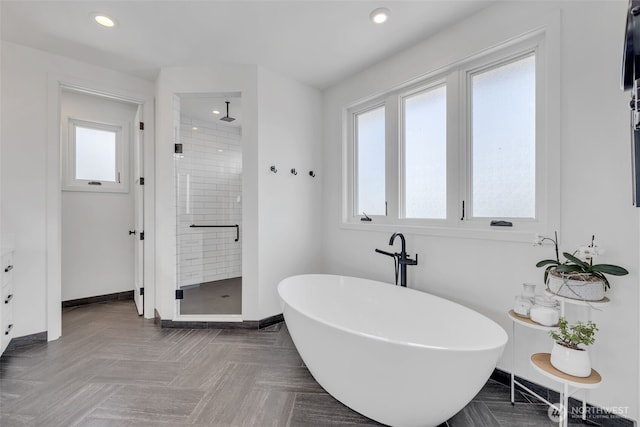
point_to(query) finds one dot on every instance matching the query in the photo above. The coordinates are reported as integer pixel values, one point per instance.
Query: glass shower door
(208, 174)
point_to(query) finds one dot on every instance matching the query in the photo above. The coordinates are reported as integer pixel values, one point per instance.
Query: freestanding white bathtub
(396, 355)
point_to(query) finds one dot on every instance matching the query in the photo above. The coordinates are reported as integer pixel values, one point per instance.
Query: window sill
(510, 234)
(97, 188)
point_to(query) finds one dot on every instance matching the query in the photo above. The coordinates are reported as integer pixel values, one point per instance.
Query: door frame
(137, 169)
(55, 85)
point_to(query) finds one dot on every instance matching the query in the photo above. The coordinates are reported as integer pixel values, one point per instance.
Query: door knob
(132, 232)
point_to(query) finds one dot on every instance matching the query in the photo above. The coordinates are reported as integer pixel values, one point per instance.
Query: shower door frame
(224, 318)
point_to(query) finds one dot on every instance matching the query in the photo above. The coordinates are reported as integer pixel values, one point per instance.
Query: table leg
(565, 405)
(513, 363)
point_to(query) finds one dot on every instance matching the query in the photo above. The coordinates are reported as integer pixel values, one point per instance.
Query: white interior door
(138, 191)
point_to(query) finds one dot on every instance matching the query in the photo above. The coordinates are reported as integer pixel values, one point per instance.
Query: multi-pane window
(504, 140)
(370, 143)
(425, 153)
(96, 157)
(458, 149)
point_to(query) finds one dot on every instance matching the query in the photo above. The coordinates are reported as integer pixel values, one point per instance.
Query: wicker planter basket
(580, 286)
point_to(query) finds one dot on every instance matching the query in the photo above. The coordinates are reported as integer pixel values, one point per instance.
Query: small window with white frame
(503, 139)
(424, 137)
(96, 157)
(369, 135)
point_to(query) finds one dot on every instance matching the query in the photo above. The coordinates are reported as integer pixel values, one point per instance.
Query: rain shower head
(227, 118)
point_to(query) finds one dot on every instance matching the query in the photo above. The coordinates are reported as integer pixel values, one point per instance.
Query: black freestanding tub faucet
(401, 260)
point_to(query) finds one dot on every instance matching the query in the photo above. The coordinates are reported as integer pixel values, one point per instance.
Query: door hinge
(141, 291)
(141, 125)
(179, 294)
(142, 235)
(141, 180)
(177, 148)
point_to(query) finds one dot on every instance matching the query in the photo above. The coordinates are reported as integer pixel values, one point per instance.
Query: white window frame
(448, 81)
(457, 79)
(70, 183)
(489, 62)
(353, 155)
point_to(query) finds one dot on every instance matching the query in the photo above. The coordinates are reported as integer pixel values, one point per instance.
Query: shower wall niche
(208, 178)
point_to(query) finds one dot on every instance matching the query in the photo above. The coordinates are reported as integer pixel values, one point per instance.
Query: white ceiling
(315, 42)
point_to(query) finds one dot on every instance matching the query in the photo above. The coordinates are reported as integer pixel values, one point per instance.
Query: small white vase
(529, 291)
(570, 361)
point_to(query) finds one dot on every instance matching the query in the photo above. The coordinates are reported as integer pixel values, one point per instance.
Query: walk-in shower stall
(208, 187)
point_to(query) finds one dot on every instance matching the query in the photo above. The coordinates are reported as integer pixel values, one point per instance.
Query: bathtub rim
(389, 340)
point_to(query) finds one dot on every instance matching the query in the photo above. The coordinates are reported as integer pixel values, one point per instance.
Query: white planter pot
(569, 361)
(576, 286)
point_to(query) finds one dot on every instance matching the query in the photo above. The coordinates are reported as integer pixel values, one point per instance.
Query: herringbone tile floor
(113, 368)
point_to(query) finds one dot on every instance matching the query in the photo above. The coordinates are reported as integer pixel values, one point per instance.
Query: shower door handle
(132, 232)
(236, 226)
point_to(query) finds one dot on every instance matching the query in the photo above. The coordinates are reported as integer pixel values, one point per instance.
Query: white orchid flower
(537, 240)
(588, 252)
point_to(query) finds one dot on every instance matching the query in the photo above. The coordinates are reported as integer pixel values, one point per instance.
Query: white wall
(25, 188)
(595, 186)
(97, 250)
(290, 136)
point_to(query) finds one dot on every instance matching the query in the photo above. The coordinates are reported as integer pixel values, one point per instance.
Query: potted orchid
(577, 277)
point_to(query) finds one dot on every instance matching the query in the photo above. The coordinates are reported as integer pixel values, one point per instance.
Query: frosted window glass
(504, 135)
(95, 154)
(425, 142)
(371, 162)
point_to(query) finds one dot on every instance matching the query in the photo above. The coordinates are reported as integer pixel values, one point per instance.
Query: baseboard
(26, 340)
(247, 324)
(271, 320)
(595, 415)
(117, 296)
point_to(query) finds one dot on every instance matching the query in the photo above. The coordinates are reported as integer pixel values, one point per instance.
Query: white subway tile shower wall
(209, 192)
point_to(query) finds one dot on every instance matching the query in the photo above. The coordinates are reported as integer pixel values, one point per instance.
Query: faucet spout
(401, 236)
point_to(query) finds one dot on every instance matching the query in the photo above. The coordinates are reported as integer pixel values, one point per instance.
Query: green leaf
(576, 260)
(610, 269)
(547, 262)
(569, 268)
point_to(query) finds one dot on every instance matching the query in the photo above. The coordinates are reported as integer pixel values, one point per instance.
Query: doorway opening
(101, 199)
(208, 184)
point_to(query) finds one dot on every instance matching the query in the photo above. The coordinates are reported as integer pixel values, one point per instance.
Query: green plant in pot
(567, 355)
(578, 278)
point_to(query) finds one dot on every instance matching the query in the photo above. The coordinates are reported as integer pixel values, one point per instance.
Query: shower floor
(219, 297)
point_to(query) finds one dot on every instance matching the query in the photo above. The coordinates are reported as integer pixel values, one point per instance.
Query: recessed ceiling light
(216, 112)
(220, 151)
(194, 128)
(379, 15)
(104, 20)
